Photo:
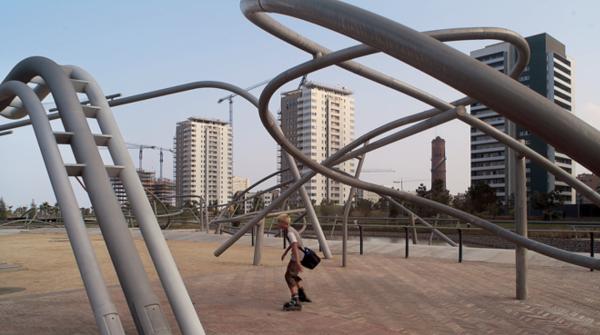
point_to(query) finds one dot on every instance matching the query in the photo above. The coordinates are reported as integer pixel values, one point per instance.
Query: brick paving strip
(376, 294)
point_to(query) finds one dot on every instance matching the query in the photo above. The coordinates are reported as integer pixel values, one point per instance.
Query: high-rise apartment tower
(319, 120)
(203, 160)
(549, 73)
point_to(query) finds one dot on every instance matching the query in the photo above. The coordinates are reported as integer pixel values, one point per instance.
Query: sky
(137, 46)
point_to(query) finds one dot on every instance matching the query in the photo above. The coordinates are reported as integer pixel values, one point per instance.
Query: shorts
(291, 275)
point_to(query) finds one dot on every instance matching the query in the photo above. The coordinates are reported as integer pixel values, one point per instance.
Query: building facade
(549, 73)
(590, 180)
(239, 184)
(368, 195)
(203, 160)
(162, 188)
(318, 120)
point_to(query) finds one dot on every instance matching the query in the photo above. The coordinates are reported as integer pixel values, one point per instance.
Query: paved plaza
(380, 292)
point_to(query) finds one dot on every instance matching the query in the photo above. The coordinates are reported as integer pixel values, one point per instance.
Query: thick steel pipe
(561, 129)
(143, 303)
(521, 224)
(415, 44)
(425, 223)
(333, 160)
(165, 265)
(205, 84)
(253, 10)
(239, 195)
(258, 245)
(268, 120)
(310, 210)
(105, 312)
(347, 208)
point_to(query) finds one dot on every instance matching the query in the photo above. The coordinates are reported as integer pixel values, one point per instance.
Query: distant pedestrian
(294, 267)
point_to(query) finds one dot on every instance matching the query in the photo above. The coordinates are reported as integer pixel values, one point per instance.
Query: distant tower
(438, 160)
(318, 120)
(203, 160)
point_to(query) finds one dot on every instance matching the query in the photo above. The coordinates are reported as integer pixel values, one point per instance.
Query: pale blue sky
(136, 46)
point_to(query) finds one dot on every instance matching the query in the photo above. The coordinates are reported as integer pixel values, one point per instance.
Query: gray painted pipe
(258, 242)
(267, 120)
(169, 275)
(561, 129)
(143, 304)
(310, 210)
(239, 195)
(347, 207)
(107, 317)
(547, 250)
(521, 225)
(252, 9)
(213, 84)
(425, 223)
(333, 160)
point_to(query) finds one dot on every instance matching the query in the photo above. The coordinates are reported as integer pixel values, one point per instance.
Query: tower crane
(378, 171)
(231, 96)
(402, 181)
(161, 159)
(264, 82)
(141, 148)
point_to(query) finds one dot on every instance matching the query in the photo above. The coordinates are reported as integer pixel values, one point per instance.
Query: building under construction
(162, 188)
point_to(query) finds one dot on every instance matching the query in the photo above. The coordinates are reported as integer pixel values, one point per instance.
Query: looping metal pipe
(422, 52)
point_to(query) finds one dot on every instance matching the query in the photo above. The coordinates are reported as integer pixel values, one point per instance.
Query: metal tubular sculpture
(239, 195)
(424, 51)
(423, 222)
(347, 206)
(157, 246)
(495, 90)
(107, 317)
(142, 301)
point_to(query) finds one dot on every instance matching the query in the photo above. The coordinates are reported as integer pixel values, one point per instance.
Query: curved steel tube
(559, 128)
(236, 197)
(417, 44)
(169, 275)
(250, 98)
(107, 317)
(126, 260)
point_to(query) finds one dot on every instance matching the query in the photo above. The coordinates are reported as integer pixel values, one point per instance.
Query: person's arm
(296, 253)
(285, 252)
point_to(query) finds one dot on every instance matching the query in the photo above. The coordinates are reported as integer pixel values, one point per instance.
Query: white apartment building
(319, 120)
(203, 160)
(548, 73)
(264, 198)
(368, 195)
(249, 204)
(239, 184)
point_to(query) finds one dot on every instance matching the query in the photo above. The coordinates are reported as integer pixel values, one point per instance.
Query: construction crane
(231, 96)
(402, 181)
(161, 159)
(377, 171)
(141, 148)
